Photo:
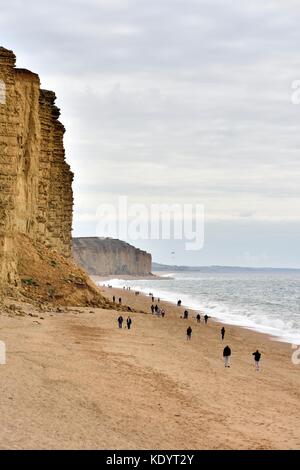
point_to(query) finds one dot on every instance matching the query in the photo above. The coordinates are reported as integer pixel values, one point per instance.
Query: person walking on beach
(223, 333)
(179, 303)
(128, 321)
(226, 355)
(186, 315)
(206, 317)
(120, 321)
(114, 299)
(152, 309)
(257, 356)
(156, 308)
(198, 318)
(152, 298)
(120, 300)
(189, 333)
(163, 313)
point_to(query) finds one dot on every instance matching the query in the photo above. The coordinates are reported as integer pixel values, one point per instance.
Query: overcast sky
(186, 101)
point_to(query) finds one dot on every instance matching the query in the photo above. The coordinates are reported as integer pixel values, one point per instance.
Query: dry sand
(74, 380)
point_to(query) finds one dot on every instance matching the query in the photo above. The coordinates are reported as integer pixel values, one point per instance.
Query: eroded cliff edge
(107, 256)
(36, 198)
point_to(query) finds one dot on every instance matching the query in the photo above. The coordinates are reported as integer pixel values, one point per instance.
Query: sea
(267, 302)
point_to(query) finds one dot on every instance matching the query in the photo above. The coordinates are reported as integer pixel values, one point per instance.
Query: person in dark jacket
(156, 308)
(179, 303)
(120, 300)
(257, 356)
(114, 299)
(189, 333)
(223, 333)
(226, 355)
(198, 318)
(206, 317)
(185, 314)
(152, 309)
(128, 321)
(120, 321)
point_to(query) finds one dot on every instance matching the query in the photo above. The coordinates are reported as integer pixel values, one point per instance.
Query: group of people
(227, 354)
(158, 311)
(227, 350)
(114, 300)
(198, 317)
(161, 312)
(128, 322)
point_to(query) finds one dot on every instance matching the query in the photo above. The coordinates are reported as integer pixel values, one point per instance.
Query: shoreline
(126, 277)
(258, 330)
(248, 396)
(133, 300)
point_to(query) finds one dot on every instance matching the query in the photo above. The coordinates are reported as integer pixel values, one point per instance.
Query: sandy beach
(157, 140)
(74, 380)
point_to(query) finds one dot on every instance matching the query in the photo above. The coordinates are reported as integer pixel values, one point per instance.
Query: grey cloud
(178, 99)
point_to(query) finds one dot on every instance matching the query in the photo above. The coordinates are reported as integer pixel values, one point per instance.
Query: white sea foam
(259, 311)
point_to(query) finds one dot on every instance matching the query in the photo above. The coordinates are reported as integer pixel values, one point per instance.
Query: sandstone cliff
(36, 198)
(35, 181)
(106, 256)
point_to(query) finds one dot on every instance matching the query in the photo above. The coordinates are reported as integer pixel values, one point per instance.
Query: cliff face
(36, 199)
(35, 181)
(106, 256)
